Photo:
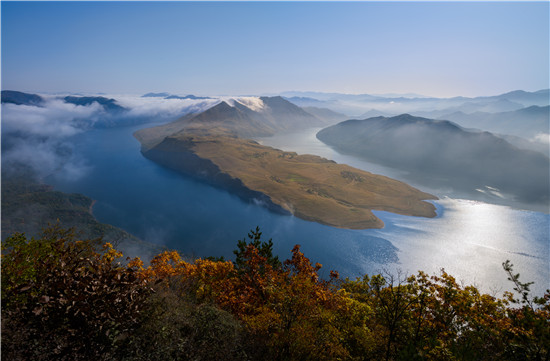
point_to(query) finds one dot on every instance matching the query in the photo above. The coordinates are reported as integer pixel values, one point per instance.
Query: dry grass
(311, 187)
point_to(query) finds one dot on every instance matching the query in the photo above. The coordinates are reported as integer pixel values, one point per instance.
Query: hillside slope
(442, 151)
(29, 207)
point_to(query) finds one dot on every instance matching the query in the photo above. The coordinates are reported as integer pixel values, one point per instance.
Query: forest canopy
(70, 299)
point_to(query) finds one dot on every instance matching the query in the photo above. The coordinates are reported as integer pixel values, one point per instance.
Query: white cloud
(56, 119)
(543, 138)
(253, 103)
(163, 108)
(39, 136)
(44, 157)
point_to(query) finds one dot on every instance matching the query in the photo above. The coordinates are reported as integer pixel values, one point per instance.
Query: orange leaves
(300, 266)
(288, 305)
(68, 294)
(170, 263)
(164, 265)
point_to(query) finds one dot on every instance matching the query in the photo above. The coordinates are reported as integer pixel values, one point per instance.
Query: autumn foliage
(64, 299)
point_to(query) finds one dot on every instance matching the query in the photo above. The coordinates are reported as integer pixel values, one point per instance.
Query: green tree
(265, 249)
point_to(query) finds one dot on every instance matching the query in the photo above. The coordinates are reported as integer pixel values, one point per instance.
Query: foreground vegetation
(68, 299)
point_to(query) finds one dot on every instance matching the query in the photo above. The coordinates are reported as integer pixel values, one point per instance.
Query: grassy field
(310, 187)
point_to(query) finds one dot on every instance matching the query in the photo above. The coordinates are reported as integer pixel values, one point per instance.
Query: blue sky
(244, 48)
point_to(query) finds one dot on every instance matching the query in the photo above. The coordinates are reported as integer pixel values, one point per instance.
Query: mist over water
(470, 239)
(441, 185)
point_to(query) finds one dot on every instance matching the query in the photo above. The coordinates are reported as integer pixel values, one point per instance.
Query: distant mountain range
(524, 122)
(156, 95)
(444, 154)
(190, 96)
(19, 98)
(516, 113)
(326, 115)
(540, 97)
(354, 104)
(511, 115)
(172, 96)
(305, 101)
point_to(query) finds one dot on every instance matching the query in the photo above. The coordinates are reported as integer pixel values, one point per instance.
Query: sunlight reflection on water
(471, 240)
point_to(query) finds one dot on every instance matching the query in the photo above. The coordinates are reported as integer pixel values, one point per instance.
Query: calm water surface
(469, 239)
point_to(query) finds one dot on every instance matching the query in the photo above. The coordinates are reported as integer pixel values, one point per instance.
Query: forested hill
(445, 154)
(29, 206)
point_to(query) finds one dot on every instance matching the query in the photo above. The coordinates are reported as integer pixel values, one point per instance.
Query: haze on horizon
(431, 48)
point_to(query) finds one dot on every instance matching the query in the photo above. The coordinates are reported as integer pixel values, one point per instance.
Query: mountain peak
(255, 104)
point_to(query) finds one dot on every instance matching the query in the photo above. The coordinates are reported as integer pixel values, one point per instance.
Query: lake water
(469, 239)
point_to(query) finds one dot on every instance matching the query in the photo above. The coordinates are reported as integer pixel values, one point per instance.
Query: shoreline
(343, 197)
(91, 208)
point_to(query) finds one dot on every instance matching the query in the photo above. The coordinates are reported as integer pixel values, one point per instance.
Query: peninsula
(307, 186)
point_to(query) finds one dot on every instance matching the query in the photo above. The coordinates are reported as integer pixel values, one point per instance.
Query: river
(470, 239)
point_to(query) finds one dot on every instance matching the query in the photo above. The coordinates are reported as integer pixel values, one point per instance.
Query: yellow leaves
(205, 279)
(136, 263)
(266, 320)
(109, 253)
(164, 265)
(211, 277)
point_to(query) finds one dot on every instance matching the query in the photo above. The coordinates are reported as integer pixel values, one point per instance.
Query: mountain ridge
(20, 98)
(109, 104)
(269, 116)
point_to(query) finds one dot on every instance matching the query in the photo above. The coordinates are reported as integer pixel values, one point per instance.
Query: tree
(265, 249)
(64, 300)
(530, 331)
